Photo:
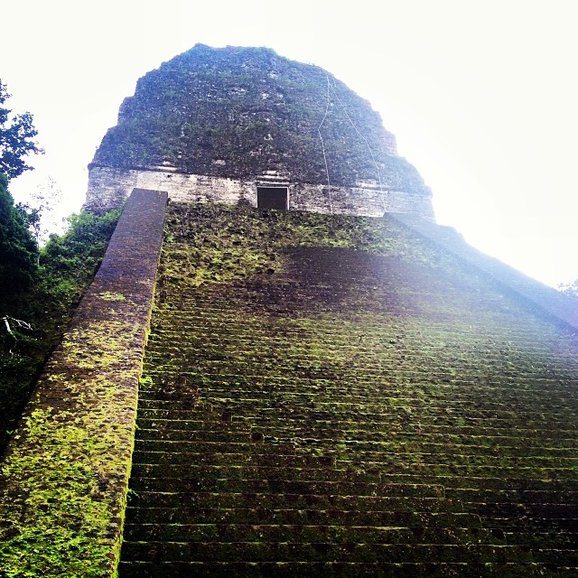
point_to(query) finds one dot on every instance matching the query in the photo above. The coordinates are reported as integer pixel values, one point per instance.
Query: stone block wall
(108, 187)
(64, 479)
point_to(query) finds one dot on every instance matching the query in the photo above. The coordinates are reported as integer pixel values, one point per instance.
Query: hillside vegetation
(39, 289)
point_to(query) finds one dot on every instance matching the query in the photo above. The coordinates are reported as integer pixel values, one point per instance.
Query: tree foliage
(39, 210)
(66, 266)
(18, 250)
(68, 261)
(17, 138)
(569, 288)
(38, 289)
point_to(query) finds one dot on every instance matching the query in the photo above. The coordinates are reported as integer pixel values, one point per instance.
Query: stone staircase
(351, 414)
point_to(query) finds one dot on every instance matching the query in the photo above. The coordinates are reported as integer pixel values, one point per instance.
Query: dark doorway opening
(273, 198)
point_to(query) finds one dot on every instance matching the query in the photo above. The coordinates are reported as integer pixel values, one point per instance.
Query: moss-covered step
(343, 570)
(378, 382)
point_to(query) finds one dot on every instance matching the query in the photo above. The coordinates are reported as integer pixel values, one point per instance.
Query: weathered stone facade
(215, 124)
(108, 187)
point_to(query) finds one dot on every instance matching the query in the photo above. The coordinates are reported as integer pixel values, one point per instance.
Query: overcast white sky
(482, 95)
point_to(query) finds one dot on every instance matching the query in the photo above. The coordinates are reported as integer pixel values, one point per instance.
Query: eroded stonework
(215, 124)
(109, 187)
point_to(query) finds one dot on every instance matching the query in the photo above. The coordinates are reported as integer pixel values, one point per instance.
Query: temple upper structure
(234, 125)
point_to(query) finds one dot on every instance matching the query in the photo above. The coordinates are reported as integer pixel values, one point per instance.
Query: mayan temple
(284, 367)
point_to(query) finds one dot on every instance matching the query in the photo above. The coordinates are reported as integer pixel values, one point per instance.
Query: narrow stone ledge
(63, 484)
(537, 297)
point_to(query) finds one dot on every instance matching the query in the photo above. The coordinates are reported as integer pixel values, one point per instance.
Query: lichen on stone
(241, 112)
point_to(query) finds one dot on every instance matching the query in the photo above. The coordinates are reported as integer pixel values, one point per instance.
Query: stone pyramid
(291, 370)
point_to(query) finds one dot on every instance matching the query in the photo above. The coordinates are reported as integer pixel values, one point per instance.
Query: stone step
(224, 435)
(355, 440)
(263, 485)
(200, 311)
(445, 376)
(187, 447)
(203, 320)
(310, 534)
(504, 480)
(363, 341)
(279, 471)
(438, 385)
(211, 343)
(260, 551)
(239, 569)
(399, 499)
(378, 406)
(563, 539)
(481, 434)
(495, 515)
(381, 472)
(372, 442)
(241, 458)
(185, 514)
(238, 454)
(497, 418)
(369, 472)
(385, 452)
(527, 497)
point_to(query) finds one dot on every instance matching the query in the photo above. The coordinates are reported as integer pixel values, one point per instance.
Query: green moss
(64, 483)
(255, 111)
(109, 296)
(215, 243)
(67, 265)
(67, 472)
(62, 540)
